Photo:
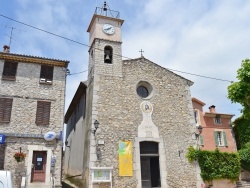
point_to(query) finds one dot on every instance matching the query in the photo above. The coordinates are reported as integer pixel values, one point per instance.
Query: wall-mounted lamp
(96, 124)
(66, 143)
(200, 131)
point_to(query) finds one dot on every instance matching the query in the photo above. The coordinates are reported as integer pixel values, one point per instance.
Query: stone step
(243, 184)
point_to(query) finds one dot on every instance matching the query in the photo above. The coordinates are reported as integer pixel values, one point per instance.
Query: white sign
(49, 136)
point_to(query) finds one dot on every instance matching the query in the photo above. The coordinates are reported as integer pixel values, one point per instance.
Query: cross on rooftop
(141, 52)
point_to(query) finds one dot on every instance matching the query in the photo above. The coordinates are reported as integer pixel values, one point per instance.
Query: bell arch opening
(108, 54)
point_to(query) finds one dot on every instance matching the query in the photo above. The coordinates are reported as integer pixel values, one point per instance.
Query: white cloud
(207, 37)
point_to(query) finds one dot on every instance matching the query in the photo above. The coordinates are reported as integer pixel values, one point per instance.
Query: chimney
(212, 109)
(6, 49)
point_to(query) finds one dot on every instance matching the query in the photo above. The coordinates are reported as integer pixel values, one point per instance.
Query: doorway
(150, 168)
(38, 171)
(2, 156)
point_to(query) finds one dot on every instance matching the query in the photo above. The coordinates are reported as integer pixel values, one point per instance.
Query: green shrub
(245, 157)
(242, 131)
(216, 164)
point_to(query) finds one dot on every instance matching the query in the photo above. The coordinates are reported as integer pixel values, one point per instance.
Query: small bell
(107, 57)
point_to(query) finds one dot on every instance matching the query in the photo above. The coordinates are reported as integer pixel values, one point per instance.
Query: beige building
(143, 114)
(32, 94)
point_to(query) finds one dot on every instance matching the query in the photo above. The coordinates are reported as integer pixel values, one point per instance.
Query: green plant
(245, 157)
(216, 164)
(19, 156)
(241, 130)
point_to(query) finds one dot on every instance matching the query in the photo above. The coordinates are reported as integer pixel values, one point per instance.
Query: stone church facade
(133, 100)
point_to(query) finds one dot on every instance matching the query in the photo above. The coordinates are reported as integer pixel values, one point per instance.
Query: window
(142, 91)
(46, 74)
(196, 117)
(5, 109)
(9, 70)
(217, 119)
(220, 138)
(108, 54)
(43, 113)
(201, 140)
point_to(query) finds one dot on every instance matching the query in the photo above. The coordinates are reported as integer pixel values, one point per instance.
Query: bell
(107, 57)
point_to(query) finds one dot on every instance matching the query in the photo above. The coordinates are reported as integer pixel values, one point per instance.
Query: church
(131, 123)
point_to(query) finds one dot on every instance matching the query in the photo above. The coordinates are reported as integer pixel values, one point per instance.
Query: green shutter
(216, 139)
(201, 140)
(225, 139)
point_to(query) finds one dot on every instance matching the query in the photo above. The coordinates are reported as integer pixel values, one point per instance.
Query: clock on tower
(105, 41)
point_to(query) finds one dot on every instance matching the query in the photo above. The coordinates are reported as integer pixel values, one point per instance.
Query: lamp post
(200, 131)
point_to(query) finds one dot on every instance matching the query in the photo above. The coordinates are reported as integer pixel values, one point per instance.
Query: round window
(142, 91)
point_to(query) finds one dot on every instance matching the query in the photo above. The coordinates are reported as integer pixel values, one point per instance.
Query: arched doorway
(150, 168)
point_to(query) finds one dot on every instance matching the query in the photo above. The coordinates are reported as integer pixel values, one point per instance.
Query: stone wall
(26, 91)
(118, 111)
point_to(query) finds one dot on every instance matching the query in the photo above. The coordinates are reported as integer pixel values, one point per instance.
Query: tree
(239, 92)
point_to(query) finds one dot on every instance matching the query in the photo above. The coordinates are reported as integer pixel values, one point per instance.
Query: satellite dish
(49, 136)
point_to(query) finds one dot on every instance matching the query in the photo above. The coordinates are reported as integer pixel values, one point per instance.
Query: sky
(208, 37)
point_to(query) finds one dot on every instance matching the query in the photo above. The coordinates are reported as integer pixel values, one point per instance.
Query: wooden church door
(150, 168)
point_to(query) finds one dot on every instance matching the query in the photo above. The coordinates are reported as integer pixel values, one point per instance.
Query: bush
(216, 164)
(245, 157)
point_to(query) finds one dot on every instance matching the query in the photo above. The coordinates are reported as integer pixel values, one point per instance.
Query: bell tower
(105, 39)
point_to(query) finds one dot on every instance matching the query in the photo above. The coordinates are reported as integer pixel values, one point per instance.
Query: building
(217, 129)
(32, 94)
(131, 122)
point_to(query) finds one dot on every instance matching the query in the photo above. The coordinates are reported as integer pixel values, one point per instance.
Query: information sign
(2, 138)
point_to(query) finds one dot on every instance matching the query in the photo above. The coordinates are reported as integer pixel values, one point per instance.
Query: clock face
(108, 29)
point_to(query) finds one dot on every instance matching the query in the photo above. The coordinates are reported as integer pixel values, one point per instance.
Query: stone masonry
(118, 111)
(25, 92)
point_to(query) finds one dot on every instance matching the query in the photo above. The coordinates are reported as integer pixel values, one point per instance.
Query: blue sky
(207, 37)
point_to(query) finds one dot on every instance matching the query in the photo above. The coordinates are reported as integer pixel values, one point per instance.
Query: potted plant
(19, 156)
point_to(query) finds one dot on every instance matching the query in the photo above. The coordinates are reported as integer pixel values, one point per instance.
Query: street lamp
(200, 131)
(96, 124)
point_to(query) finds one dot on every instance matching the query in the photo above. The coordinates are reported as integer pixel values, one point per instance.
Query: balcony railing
(107, 12)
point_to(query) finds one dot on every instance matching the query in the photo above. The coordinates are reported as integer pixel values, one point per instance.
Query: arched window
(108, 54)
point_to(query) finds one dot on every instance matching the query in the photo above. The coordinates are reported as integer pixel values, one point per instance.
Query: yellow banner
(125, 158)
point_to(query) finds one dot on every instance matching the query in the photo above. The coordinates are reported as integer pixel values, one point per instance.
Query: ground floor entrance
(2, 156)
(39, 162)
(150, 169)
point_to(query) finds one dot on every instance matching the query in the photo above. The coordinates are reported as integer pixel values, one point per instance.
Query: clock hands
(108, 28)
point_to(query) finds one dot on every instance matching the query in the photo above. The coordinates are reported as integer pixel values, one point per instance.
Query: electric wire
(77, 72)
(80, 43)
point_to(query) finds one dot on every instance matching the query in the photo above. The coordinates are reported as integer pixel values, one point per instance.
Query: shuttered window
(220, 138)
(201, 140)
(46, 74)
(9, 70)
(5, 109)
(43, 113)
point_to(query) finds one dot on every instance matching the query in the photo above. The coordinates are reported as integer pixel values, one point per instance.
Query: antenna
(11, 33)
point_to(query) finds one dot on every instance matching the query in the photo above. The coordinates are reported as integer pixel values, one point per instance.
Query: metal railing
(107, 12)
